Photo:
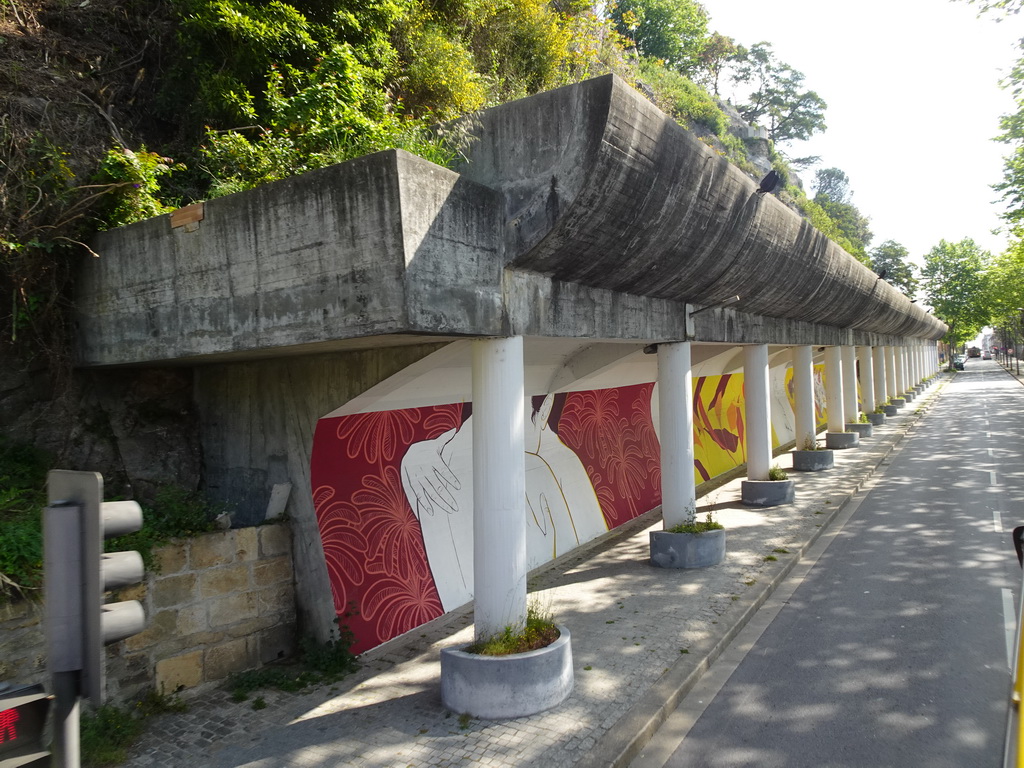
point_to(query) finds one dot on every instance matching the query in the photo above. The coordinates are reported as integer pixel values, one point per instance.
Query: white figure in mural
(562, 510)
(437, 477)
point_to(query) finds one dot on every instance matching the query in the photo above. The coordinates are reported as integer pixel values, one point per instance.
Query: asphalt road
(889, 645)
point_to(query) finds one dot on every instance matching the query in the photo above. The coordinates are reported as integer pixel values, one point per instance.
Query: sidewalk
(641, 638)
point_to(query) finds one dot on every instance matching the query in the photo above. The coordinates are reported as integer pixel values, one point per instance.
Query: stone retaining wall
(220, 603)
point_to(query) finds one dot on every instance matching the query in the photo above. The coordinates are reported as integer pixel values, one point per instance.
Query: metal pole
(66, 752)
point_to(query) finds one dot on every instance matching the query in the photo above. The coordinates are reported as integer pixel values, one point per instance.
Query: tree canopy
(833, 196)
(672, 31)
(957, 287)
(892, 260)
(778, 100)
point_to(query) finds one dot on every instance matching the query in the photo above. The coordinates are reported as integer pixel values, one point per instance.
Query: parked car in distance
(958, 362)
(986, 355)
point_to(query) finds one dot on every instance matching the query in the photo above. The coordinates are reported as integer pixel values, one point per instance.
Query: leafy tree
(832, 183)
(957, 287)
(853, 225)
(718, 51)
(833, 196)
(891, 259)
(1012, 186)
(778, 99)
(1006, 287)
(673, 31)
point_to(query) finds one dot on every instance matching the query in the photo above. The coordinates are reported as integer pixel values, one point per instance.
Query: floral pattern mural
(393, 491)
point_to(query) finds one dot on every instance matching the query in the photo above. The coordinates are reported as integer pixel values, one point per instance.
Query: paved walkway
(641, 637)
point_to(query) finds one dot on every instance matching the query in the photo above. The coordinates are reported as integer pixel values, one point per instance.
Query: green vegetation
(316, 664)
(671, 31)
(108, 733)
(691, 525)
(892, 260)
(175, 513)
(778, 100)
(22, 496)
(957, 287)
(777, 473)
(193, 99)
(539, 632)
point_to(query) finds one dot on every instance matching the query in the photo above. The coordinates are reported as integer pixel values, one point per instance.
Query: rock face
(136, 427)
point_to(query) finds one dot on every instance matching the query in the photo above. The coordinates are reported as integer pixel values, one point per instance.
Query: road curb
(627, 738)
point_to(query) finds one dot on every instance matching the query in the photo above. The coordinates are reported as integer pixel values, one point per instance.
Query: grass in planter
(777, 473)
(539, 632)
(697, 526)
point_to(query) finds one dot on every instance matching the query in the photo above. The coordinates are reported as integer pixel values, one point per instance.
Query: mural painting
(393, 490)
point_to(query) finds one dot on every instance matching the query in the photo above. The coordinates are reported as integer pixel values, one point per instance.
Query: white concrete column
(851, 406)
(675, 403)
(901, 370)
(803, 396)
(878, 353)
(917, 372)
(499, 486)
(757, 411)
(867, 379)
(890, 372)
(834, 389)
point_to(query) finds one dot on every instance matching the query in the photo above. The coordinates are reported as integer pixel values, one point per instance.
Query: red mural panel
(612, 433)
(377, 561)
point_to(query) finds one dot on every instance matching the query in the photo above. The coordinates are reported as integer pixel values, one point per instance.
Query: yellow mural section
(719, 433)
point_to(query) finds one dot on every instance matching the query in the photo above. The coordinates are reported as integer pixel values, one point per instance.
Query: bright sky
(913, 97)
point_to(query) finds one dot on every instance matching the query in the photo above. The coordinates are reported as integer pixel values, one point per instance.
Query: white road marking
(997, 521)
(992, 477)
(1009, 625)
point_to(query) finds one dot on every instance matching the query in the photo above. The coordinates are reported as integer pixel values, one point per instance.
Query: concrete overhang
(580, 213)
(603, 189)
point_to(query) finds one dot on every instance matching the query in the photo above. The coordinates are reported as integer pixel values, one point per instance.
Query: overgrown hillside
(116, 111)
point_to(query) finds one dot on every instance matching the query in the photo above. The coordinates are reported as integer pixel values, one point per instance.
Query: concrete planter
(899, 402)
(841, 440)
(890, 410)
(909, 396)
(687, 550)
(507, 687)
(767, 493)
(861, 428)
(813, 461)
(876, 419)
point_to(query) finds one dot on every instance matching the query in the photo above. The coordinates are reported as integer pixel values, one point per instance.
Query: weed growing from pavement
(317, 664)
(770, 558)
(106, 734)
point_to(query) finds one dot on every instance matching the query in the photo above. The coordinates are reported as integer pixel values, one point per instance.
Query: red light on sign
(22, 717)
(8, 729)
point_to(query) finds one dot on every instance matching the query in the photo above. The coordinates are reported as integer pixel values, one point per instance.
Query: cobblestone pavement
(641, 637)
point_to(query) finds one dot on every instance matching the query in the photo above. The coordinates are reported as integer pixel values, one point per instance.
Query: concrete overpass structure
(340, 323)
